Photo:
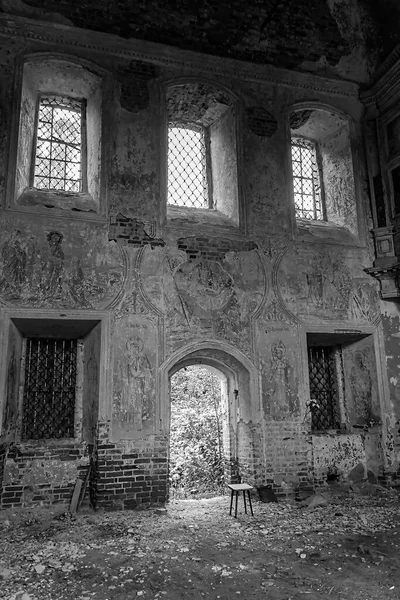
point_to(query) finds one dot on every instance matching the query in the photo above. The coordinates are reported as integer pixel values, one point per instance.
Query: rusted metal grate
(58, 144)
(49, 389)
(187, 166)
(306, 180)
(323, 388)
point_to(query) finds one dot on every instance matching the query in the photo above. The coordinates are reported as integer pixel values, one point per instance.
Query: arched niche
(214, 109)
(329, 131)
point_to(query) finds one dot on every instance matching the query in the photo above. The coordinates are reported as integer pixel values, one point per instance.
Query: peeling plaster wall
(337, 454)
(391, 411)
(338, 179)
(242, 292)
(343, 38)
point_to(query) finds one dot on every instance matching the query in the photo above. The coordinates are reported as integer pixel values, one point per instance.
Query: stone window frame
(187, 218)
(330, 229)
(49, 323)
(348, 338)
(88, 82)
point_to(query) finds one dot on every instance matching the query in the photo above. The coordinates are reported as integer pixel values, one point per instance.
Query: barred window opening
(306, 180)
(49, 390)
(324, 391)
(187, 166)
(58, 159)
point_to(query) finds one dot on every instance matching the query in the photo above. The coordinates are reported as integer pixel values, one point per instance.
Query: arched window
(322, 168)
(58, 155)
(188, 165)
(306, 180)
(202, 151)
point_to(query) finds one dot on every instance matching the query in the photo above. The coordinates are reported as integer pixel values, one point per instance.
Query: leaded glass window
(187, 166)
(59, 144)
(306, 180)
(49, 388)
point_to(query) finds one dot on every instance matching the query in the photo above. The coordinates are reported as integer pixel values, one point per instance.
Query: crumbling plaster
(341, 38)
(208, 290)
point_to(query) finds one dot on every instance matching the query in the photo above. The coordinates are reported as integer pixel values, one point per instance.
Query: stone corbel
(389, 278)
(386, 265)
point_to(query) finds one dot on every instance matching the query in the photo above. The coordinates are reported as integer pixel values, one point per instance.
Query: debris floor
(346, 547)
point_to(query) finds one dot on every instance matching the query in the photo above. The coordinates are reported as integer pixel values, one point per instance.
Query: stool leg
(237, 495)
(244, 500)
(251, 508)
(230, 510)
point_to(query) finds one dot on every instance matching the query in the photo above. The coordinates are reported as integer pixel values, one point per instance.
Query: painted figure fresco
(281, 387)
(361, 387)
(55, 264)
(11, 396)
(138, 387)
(49, 270)
(14, 259)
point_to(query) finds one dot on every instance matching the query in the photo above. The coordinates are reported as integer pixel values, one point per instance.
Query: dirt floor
(348, 550)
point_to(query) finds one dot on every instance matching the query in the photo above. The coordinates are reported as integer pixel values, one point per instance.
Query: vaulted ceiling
(340, 38)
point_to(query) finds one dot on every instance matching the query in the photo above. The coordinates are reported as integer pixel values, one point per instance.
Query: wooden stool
(236, 488)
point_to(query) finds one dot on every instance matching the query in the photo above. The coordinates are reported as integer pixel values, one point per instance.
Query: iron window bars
(187, 166)
(323, 388)
(48, 408)
(306, 180)
(60, 144)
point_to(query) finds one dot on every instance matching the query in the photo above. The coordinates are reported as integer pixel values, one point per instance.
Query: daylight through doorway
(196, 466)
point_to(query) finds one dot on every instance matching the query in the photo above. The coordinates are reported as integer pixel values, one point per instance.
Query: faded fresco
(250, 280)
(135, 363)
(55, 268)
(318, 285)
(91, 382)
(11, 398)
(362, 402)
(280, 385)
(202, 296)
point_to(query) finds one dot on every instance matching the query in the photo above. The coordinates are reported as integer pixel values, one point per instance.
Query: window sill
(53, 199)
(49, 443)
(185, 218)
(336, 433)
(325, 231)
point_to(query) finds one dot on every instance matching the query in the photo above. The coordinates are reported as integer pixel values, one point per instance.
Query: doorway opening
(196, 456)
(240, 410)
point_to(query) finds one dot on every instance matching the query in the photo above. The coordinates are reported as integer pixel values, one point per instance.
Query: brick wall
(41, 475)
(212, 248)
(131, 474)
(287, 457)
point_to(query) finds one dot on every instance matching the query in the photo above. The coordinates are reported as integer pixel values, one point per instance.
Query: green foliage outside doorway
(196, 448)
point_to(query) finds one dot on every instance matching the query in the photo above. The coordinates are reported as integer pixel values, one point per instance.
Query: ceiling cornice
(381, 92)
(167, 56)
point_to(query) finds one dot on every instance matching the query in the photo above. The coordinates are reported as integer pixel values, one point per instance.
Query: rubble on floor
(339, 543)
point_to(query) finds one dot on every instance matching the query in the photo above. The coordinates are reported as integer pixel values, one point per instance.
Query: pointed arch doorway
(240, 402)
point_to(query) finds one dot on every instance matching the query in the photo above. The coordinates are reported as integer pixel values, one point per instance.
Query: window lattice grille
(187, 166)
(49, 389)
(58, 144)
(306, 180)
(323, 388)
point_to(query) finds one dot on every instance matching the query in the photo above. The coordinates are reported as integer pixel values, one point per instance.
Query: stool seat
(236, 488)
